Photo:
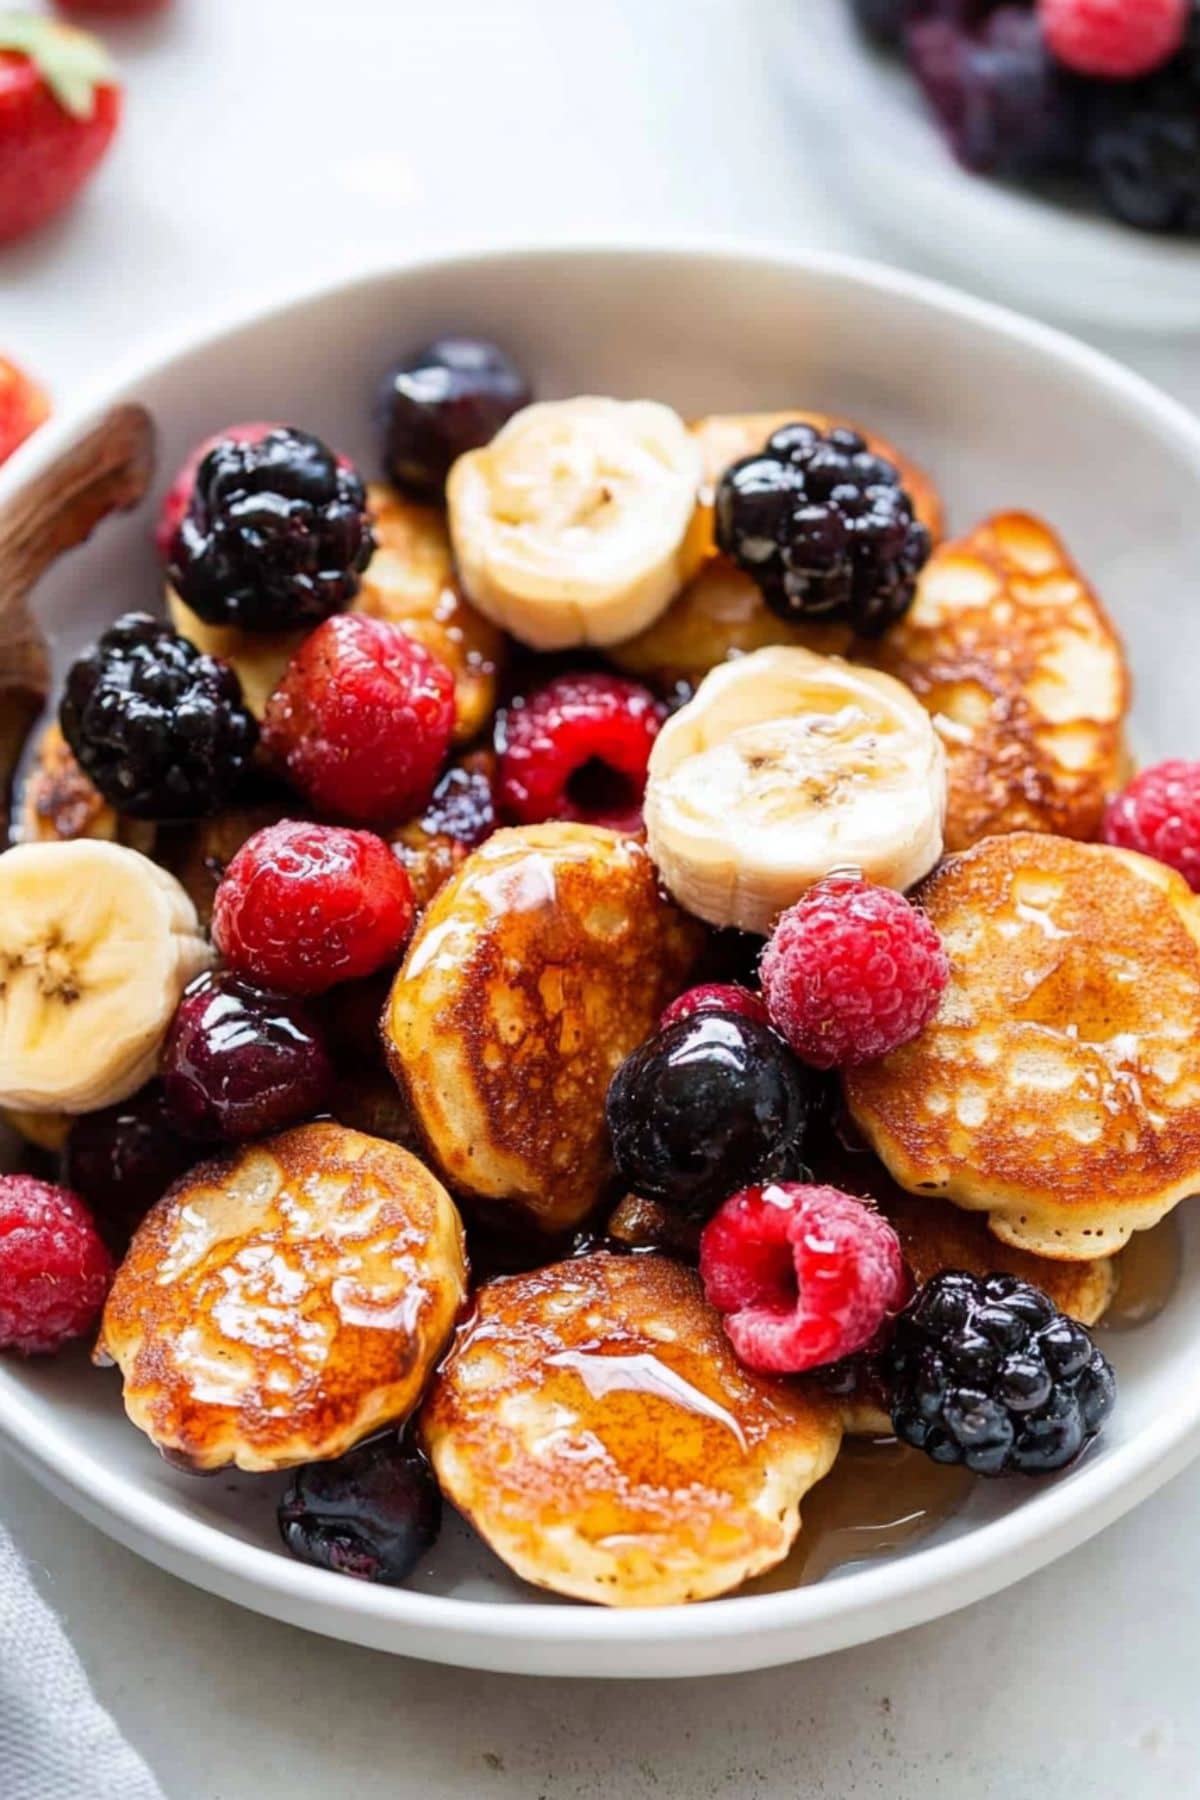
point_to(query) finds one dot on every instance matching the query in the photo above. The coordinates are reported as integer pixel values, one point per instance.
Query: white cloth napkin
(56, 1740)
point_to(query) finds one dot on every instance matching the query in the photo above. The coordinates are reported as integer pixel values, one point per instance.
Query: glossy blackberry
(449, 397)
(1144, 150)
(824, 527)
(159, 727)
(276, 535)
(985, 1371)
(714, 1103)
(372, 1514)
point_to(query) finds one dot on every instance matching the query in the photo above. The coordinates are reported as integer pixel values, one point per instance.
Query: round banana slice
(96, 945)
(593, 1423)
(283, 1302)
(571, 526)
(784, 767)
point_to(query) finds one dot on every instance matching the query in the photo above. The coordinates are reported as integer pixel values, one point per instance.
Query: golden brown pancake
(1014, 656)
(534, 973)
(59, 803)
(1058, 1087)
(593, 1423)
(721, 612)
(282, 1302)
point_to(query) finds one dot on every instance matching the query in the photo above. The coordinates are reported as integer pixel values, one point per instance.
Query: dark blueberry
(156, 725)
(1144, 150)
(712, 1104)
(445, 399)
(1004, 105)
(123, 1159)
(463, 806)
(239, 1062)
(985, 1371)
(371, 1514)
(824, 527)
(276, 535)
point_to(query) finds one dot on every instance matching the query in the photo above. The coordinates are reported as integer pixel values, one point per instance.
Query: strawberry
(23, 406)
(59, 107)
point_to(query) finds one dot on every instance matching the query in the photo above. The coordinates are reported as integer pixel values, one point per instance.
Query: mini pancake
(59, 803)
(1025, 677)
(533, 974)
(409, 582)
(593, 1423)
(721, 612)
(1057, 1088)
(282, 1302)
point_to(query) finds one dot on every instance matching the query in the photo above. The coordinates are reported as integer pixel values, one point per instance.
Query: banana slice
(96, 945)
(785, 766)
(571, 526)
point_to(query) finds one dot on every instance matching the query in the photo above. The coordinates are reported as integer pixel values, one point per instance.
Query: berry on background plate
(303, 907)
(54, 1268)
(805, 1276)
(437, 403)
(851, 972)
(361, 722)
(578, 749)
(985, 1371)
(1113, 39)
(155, 724)
(23, 407)
(60, 104)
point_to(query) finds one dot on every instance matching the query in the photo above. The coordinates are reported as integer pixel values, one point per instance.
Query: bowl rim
(875, 1598)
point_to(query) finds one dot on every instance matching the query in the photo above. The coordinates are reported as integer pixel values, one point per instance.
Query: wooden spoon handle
(108, 470)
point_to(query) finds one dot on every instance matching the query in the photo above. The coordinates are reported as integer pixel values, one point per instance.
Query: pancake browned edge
(1025, 676)
(1057, 1088)
(593, 1423)
(721, 612)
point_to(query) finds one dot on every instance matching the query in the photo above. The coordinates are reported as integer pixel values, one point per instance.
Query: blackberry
(824, 527)
(158, 726)
(1144, 150)
(985, 1371)
(276, 534)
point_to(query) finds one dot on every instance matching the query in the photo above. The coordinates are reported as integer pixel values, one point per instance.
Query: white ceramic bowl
(1005, 413)
(864, 119)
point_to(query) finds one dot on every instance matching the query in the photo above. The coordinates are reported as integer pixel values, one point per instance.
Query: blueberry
(123, 1159)
(239, 1062)
(712, 1104)
(371, 1514)
(447, 398)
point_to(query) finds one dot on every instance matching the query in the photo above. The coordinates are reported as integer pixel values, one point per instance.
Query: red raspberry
(804, 1275)
(851, 972)
(361, 721)
(1114, 38)
(54, 1268)
(179, 494)
(577, 749)
(23, 407)
(302, 907)
(1159, 814)
(716, 996)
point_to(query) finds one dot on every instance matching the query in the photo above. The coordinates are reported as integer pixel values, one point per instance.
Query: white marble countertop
(271, 141)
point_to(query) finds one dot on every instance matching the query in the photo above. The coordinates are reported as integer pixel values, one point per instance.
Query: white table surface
(271, 141)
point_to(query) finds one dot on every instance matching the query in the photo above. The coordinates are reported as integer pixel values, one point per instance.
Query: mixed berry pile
(1099, 96)
(327, 826)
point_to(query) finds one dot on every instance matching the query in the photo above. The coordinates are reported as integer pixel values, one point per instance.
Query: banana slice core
(785, 766)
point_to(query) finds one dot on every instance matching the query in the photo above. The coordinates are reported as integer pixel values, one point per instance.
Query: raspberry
(23, 407)
(303, 907)
(179, 494)
(1159, 814)
(805, 1275)
(54, 1268)
(361, 721)
(578, 749)
(1115, 38)
(716, 996)
(851, 972)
